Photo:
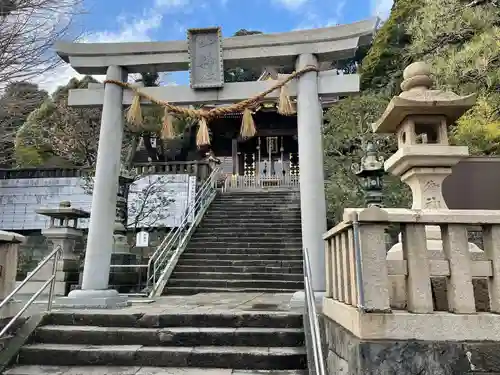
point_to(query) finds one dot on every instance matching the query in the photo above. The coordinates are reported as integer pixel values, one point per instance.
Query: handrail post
(312, 319)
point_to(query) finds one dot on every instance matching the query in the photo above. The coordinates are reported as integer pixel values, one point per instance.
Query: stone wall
(348, 355)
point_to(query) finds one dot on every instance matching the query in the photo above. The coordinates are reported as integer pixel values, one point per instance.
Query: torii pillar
(95, 292)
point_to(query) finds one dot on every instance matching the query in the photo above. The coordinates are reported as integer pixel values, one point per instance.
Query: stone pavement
(98, 370)
(205, 303)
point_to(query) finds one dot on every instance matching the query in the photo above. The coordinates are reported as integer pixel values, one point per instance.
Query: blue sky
(157, 20)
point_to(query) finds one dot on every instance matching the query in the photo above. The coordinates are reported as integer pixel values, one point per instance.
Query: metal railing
(311, 325)
(165, 257)
(55, 254)
(234, 182)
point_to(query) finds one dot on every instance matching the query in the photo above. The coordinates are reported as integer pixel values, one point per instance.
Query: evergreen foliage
(383, 65)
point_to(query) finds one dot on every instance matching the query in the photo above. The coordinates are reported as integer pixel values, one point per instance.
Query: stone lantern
(120, 244)
(63, 231)
(123, 276)
(371, 171)
(420, 117)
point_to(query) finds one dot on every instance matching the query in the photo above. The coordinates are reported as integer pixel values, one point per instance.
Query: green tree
(460, 40)
(383, 65)
(59, 135)
(239, 74)
(19, 99)
(346, 131)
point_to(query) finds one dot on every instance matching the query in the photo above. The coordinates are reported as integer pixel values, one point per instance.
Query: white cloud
(171, 3)
(316, 18)
(131, 29)
(292, 4)
(382, 8)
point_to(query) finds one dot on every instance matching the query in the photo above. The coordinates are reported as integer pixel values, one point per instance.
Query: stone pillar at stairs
(63, 231)
(9, 248)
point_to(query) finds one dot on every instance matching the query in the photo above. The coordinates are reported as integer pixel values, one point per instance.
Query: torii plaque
(206, 63)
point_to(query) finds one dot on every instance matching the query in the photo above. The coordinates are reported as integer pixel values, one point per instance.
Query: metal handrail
(159, 260)
(56, 254)
(312, 320)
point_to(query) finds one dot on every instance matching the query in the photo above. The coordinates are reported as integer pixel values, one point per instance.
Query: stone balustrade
(201, 169)
(362, 286)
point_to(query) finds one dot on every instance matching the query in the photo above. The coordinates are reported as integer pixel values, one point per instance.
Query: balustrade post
(344, 244)
(418, 281)
(352, 267)
(339, 270)
(9, 248)
(329, 269)
(374, 273)
(460, 289)
(491, 242)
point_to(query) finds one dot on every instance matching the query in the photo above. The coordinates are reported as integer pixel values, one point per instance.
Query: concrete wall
(348, 355)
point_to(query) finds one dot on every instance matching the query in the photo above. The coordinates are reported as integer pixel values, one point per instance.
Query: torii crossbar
(206, 54)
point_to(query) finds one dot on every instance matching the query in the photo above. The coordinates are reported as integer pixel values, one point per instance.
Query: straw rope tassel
(134, 114)
(247, 124)
(285, 105)
(167, 129)
(202, 136)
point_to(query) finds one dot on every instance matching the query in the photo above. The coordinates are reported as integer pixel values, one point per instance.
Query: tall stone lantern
(420, 117)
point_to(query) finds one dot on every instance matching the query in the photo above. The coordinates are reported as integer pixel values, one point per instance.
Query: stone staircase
(247, 242)
(239, 343)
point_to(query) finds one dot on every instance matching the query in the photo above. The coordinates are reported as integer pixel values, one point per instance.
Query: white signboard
(191, 198)
(142, 239)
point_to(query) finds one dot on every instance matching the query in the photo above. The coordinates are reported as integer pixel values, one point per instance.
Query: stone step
(251, 207)
(243, 245)
(189, 291)
(238, 269)
(171, 336)
(250, 227)
(242, 219)
(254, 240)
(234, 357)
(258, 194)
(260, 198)
(263, 215)
(190, 254)
(231, 284)
(227, 320)
(180, 275)
(261, 242)
(244, 234)
(239, 263)
(235, 250)
(136, 370)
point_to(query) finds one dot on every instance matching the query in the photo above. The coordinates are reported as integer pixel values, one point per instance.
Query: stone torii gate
(206, 54)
